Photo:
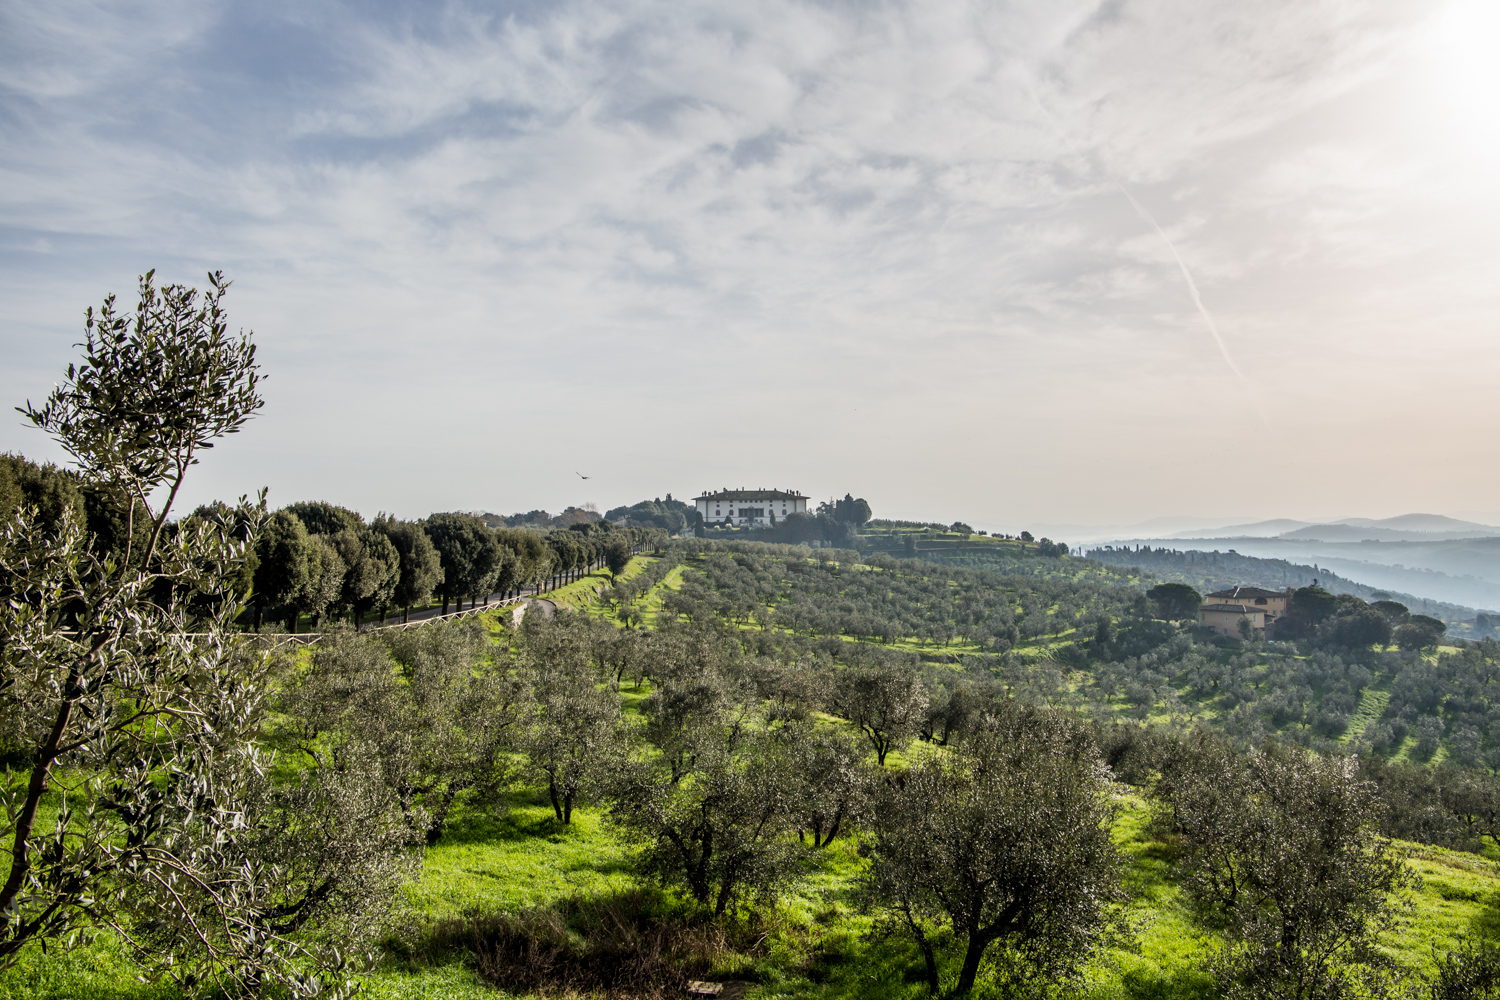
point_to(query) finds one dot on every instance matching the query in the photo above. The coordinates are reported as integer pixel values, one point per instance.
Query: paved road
(435, 612)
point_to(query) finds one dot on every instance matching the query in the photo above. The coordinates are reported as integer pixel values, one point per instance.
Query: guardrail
(279, 639)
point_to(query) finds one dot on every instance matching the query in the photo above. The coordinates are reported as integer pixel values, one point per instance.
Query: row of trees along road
(313, 558)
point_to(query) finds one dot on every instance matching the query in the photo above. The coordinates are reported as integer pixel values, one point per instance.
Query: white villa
(737, 507)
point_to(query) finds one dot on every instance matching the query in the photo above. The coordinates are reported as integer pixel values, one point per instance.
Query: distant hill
(1421, 522)
(1258, 529)
(1345, 531)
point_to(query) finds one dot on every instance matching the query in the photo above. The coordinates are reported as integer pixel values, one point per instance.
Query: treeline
(671, 516)
(317, 560)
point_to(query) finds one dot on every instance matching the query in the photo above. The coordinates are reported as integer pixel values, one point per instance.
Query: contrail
(1187, 276)
(1192, 285)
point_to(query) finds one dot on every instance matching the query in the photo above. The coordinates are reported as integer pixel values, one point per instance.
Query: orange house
(1225, 618)
(1271, 602)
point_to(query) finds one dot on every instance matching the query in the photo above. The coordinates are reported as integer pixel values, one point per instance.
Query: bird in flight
(581, 475)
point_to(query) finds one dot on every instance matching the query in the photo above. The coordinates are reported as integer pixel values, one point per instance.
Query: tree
(852, 511)
(1280, 845)
(888, 703)
(1175, 601)
(48, 489)
(831, 780)
(574, 731)
(435, 717)
(715, 820)
(471, 555)
(617, 556)
(527, 553)
(371, 570)
(1306, 609)
(325, 580)
(1419, 632)
(320, 518)
(420, 568)
(1009, 841)
(1355, 626)
(286, 562)
(1395, 612)
(154, 725)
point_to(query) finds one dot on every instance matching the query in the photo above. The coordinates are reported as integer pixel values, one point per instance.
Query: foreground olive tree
(1280, 846)
(1008, 841)
(129, 701)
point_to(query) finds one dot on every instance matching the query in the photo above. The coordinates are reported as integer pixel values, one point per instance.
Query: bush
(628, 946)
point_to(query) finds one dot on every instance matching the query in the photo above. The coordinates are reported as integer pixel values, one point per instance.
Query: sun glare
(1464, 42)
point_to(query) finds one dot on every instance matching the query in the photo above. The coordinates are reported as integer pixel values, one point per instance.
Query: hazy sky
(922, 252)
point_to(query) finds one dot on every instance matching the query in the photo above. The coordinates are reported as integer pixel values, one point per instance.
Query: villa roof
(752, 495)
(1233, 608)
(1243, 592)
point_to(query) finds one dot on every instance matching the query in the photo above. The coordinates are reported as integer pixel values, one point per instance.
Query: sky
(1066, 262)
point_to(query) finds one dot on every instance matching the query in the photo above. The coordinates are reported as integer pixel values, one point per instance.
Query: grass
(815, 944)
(524, 858)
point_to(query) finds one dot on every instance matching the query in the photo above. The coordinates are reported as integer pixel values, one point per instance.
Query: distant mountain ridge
(1401, 528)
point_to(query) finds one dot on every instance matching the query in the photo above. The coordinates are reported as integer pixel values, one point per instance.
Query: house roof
(1240, 609)
(1240, 593)
(752, 495)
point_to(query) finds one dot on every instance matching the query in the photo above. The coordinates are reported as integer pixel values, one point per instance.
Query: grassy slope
(821, 946)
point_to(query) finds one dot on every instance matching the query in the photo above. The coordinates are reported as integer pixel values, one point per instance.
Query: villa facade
(741, 507)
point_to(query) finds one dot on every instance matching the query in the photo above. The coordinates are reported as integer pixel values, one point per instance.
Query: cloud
(458, 215)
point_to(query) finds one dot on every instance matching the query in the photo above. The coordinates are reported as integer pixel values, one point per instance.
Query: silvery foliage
(138, 803)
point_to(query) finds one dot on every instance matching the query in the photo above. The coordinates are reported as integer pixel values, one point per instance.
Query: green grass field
(499, 858)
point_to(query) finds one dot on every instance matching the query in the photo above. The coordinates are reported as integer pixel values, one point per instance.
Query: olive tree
(574, 730)
(888, 703)
(436, 715)
(1281, 846)
(147, 729)
(1008, 840)
(831, 783)
(714, 806)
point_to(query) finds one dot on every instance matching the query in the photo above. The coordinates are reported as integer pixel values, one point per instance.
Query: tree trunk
(259, 616)
(405, 612)
(567, 816)
(20, 852)
(445, 604)
(928, 957)
(440, 816)
(978, 942)
(552, 794)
